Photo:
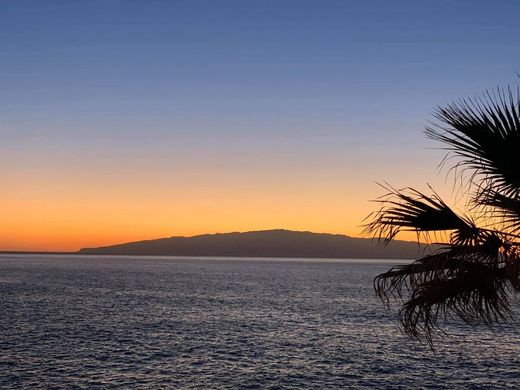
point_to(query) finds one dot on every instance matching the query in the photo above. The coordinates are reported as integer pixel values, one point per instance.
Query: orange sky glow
(64, 210)
(69, 218)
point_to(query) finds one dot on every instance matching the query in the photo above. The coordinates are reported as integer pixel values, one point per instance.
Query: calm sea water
(149, 323)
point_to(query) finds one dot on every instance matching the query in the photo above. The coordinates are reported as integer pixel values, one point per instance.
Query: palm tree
(477, 268)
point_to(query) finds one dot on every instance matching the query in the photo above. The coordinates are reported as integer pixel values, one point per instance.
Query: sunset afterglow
(132, 122)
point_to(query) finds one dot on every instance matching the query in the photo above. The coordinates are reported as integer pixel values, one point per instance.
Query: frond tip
(410, 210)
(469, 283)
(484, 134)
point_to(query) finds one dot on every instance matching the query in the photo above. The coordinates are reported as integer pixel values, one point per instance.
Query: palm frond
(484, 133)
(469, 282)
(504, 207)
(475, 294)
(473, 275)
(410, 210)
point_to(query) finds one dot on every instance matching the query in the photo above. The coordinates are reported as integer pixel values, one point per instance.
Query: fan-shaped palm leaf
(484, 133)
(472, 276)
(411, 210)
(469, 282)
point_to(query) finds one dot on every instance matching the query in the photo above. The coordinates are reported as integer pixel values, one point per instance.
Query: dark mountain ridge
(266, 243)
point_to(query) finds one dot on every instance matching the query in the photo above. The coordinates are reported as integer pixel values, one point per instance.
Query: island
(266, 243)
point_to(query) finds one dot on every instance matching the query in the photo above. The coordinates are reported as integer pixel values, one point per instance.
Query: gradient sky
(125, 120)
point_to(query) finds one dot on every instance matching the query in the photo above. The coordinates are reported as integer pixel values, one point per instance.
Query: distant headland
(265, 243)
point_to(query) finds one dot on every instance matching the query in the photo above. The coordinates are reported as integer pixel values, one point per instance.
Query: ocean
(103, 322)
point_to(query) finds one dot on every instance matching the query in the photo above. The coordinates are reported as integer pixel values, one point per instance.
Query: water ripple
(151, 323)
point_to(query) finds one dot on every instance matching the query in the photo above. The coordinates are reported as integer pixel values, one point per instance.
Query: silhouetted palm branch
(474, 273)
(506, 208)
(410, 210)
(471, 282)
(484, 133)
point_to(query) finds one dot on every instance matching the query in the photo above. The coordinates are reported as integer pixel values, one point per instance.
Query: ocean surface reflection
(148, 323)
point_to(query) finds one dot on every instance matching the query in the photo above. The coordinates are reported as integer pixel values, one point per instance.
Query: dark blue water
(148, 323)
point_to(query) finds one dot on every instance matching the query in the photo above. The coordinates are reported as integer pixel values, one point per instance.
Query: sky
(127, 120)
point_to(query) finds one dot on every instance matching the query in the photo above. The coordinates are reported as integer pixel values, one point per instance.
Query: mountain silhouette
(266, 243)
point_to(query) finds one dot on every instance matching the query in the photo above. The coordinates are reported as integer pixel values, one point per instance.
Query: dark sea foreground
(158, 322)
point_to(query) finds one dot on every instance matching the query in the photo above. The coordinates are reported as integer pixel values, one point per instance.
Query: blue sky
(248, 67)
